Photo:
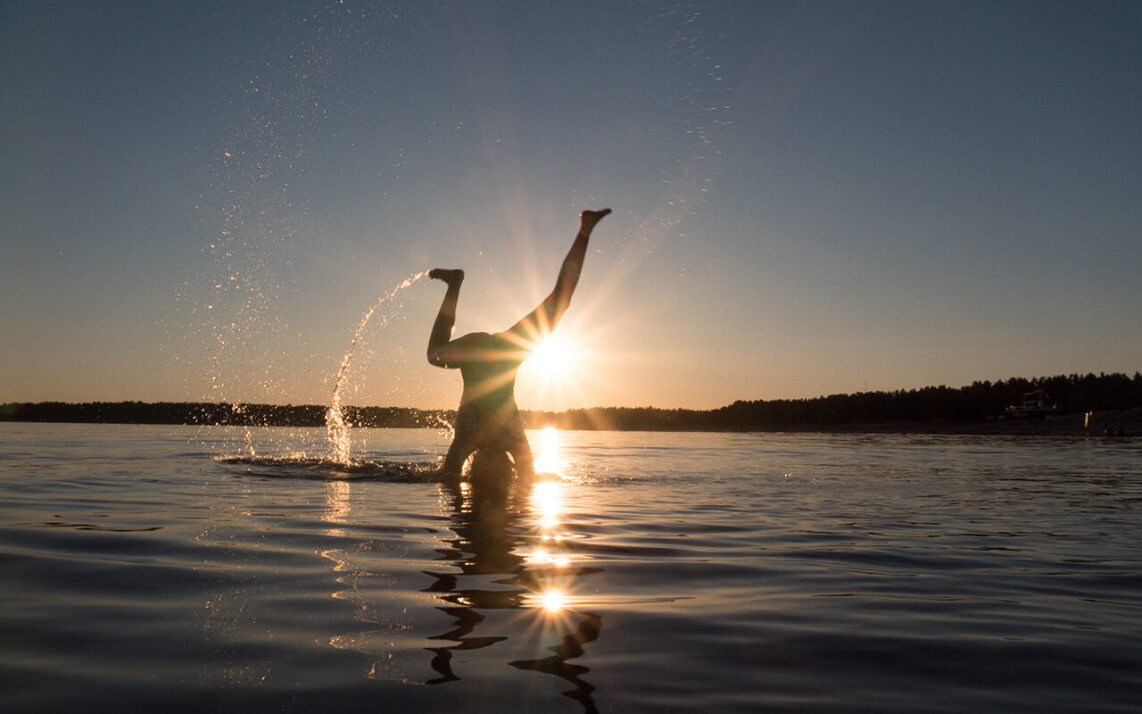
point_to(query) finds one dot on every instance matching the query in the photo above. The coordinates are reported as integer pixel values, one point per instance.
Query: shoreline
(1078, 405)
(1071, 426)
(1105, 423)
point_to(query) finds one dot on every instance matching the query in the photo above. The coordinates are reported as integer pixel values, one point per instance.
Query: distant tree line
(979, 401)
(217, 414)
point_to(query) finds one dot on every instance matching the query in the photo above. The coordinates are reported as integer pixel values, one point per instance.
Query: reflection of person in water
(494, 579)
(488, 421)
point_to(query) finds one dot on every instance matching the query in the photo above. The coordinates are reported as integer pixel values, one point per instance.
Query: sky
(202, 200)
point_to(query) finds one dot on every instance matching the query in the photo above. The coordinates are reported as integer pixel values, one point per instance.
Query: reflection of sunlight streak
(336, 511)
(548, 458)
(553, 605)
(466, 504)
(336, 506)
(547, 502)
(519, 538)
(540, 557)
(546, 564)
(375, 638)
(553, 600)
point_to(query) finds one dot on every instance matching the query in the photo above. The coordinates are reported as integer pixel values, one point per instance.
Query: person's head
(490, 472)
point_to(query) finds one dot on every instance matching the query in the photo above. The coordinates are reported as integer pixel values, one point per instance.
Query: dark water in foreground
(658, 572)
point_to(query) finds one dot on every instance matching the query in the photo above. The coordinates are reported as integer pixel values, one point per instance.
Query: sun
(554, 358)
(559, 371)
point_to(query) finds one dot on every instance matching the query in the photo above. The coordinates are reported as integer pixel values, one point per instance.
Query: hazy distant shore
(1115, 422)
(1100, 423)
(1072, 404)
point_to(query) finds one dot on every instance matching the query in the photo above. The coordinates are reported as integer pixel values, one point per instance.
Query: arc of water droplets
(335, 424)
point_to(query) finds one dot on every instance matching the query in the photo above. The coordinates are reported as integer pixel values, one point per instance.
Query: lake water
(656, 572)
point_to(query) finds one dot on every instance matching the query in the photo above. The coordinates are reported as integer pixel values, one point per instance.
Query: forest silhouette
(931, 408)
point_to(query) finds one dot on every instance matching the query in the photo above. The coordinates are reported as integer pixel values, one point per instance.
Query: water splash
(335, 424)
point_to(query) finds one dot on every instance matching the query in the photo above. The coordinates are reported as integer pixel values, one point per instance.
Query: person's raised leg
(543, 319)
(446, 317)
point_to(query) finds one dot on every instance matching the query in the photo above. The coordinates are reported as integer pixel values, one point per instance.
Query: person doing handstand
(488, 418)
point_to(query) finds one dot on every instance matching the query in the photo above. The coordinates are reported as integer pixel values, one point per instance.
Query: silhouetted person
(488, 419)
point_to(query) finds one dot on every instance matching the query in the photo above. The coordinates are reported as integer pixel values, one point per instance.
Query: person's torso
(489, 371)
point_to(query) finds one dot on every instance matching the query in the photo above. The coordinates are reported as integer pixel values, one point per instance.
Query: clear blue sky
(200, 200)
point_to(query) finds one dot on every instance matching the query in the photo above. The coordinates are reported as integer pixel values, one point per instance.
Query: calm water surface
(650, 573)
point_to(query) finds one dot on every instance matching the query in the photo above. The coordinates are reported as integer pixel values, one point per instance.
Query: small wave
(326, 469)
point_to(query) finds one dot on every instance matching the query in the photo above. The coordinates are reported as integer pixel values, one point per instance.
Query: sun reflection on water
(540, 557)
(553, 600)
(548, 459)
(550, 568)
(337, 507)
(511, 550)
(547, 502)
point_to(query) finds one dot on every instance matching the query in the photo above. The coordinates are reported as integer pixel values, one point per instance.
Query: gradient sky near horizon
(201, 200)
